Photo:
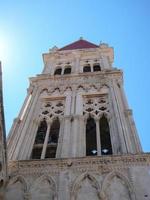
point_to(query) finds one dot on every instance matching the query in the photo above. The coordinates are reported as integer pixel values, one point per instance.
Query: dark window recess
(40, 136)
(36, 152)
(96, 67)
(91, 144)
(106, 147)
(67, 70)
(87, 68)
(53, 140)
(50, 151)
(58, 71)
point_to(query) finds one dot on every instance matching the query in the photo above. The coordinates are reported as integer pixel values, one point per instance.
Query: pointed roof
(79, 44)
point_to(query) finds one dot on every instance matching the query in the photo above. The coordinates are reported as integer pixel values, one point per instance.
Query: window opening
(67, 70)
(87, 68)
(106, 147)
(96, 67)
(58, 71)
(91, 144)
(39, 140)
(53, 140)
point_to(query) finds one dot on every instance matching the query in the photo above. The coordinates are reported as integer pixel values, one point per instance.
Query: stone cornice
(100, 164)
(114, 72)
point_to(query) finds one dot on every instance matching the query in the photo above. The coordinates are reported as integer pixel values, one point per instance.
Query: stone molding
(101, 164)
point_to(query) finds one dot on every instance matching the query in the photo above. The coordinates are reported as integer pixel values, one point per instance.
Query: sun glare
(3, 49)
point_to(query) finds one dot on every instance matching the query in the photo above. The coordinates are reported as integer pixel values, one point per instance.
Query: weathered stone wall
(125, 177)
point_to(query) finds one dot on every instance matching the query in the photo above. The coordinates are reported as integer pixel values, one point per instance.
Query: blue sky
(30, 28)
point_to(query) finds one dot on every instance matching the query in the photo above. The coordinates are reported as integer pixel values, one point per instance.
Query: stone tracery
(96, 106)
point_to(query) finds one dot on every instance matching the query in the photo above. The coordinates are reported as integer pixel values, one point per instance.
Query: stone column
(68, 102)
(79, 104)
(46, 140)
(98, 138)
(60, 138)
(66, 137)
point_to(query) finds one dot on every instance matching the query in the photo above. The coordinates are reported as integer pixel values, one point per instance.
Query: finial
(81, 38)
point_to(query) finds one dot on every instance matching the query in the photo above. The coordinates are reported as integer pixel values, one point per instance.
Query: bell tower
(75, 108)
(75, 137)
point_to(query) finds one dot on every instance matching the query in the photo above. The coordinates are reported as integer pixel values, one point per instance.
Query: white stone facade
(72, 97)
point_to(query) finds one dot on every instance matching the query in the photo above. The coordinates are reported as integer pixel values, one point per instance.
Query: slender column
(60, 138)
(84, 136)
(46, 141)
(66, 137)
(81, 137)
(68, 103)
(74, 136)
(77, 64)
(79, 104)
(98, 138)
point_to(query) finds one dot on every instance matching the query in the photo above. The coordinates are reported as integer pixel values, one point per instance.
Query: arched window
(96, 67)
(87, 68)
(106, 147)
(53, 139)
(67, 70)
(39, 140)
(58, 71)
(91, 145)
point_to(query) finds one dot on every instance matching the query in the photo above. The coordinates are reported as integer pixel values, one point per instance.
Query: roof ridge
(79, 44)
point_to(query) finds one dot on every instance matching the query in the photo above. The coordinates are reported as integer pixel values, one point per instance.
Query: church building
(75, 136)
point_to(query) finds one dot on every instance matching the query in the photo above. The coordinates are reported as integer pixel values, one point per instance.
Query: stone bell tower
(75, 136)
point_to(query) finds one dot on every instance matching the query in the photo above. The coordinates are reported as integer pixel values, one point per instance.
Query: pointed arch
(53, 139)
(81, 88)
(44, 186)
(104, 88)
(19, 178)
(68, 89)
(78, 183)
(91, 141)
(16, 188)
(106, 146)
(44, 90)
(109, 178)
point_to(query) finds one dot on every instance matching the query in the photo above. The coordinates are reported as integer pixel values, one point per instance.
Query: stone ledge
(98, 163)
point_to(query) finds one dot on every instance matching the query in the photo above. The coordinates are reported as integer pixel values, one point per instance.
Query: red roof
(80, 44)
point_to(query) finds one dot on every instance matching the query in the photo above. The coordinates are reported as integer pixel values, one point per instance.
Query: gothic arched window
(96, 67)
(87, 68)
(39, 140)
(53, 139)
(58, 71)
(91, 144)
(106, 147)
(67, 70)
